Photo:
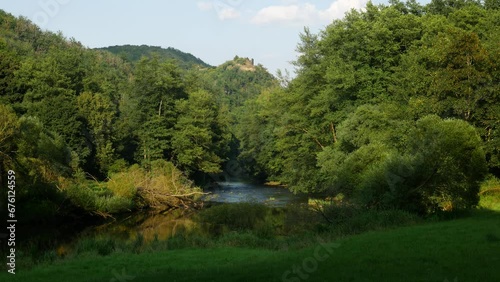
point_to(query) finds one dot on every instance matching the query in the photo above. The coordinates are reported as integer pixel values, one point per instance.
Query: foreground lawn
(465, 249)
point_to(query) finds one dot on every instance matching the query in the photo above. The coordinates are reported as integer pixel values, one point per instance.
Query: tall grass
(489, 195)
(460, 250)
(246, 225)
(131, 189)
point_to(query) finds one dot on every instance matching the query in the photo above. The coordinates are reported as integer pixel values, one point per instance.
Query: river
(154, 226)
(238, 192)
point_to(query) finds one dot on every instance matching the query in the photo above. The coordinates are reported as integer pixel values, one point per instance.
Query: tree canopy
(393, 106)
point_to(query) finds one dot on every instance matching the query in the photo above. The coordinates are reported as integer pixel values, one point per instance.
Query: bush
(133, 188)
(299, 219)
(438, 168)
(95, 197)
(164, 186)
(114, 204)
(449, 163)
(125, 183)
(490, 194)
(82, 196)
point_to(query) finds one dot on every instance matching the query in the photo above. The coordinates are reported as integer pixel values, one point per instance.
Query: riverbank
(465, 249)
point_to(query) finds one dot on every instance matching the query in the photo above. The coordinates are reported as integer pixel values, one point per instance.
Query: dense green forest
(393, 107)
(133, 54)
(396, 106)
(90, 131)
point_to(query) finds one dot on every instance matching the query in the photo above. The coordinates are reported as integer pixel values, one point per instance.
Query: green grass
(467, 249)
(490, 194)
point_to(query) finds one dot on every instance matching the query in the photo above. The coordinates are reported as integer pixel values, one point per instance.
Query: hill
(239, 80)
(133, 53)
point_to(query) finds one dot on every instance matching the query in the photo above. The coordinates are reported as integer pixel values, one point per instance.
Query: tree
(156, 88)
(9, 63)
(450, 163)
(255, 131)
(201, 137)
(42, 161)
(9, 126)
(68, 123)
(438, 167)
(452, 74)
(99, 115)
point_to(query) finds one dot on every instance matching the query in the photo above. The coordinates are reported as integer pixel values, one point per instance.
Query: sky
(213, 30)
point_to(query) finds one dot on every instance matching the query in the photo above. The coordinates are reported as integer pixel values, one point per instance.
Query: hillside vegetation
(133, 54)
(392, 107)
(390, 127)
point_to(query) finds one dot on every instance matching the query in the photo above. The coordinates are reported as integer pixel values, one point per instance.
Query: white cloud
(228, 13)
(338, 9)
(305, 14)
(290, 13)
(205, 6)
(289, 2)
(223, 10)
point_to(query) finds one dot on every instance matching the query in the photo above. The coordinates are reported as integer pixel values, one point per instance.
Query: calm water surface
(152, 226)
(238, 192)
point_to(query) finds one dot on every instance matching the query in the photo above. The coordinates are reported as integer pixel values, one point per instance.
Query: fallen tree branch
(159, 199)
(191, 194)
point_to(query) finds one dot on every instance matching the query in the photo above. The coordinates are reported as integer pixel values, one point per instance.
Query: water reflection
(151, 226)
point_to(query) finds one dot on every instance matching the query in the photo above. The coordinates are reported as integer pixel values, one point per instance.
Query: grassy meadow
(462, 249)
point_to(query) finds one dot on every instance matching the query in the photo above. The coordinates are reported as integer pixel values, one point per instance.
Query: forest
(392, 108)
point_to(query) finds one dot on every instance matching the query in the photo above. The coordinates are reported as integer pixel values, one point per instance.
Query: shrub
(162, 187)
(114, 204)
(438, 168)
(490, 194)
(125, 183)
(95, 197)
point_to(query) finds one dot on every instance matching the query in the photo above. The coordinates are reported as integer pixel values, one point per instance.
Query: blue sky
(213, 30)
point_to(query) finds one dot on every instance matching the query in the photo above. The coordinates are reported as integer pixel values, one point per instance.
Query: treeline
(396, 106)
(133, 54)
(74, 119)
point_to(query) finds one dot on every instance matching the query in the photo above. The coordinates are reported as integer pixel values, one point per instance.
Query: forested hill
(238, 80)
(133, 54)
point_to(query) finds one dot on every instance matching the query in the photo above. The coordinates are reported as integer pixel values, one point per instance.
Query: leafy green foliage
(438, 167)
(90, 114)
(350, 116)
(201, 135)
(9, 126)
(236, 81)
(490, 193)
(134, 54)
(41, 159)
(385, 108)
(156, 88)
